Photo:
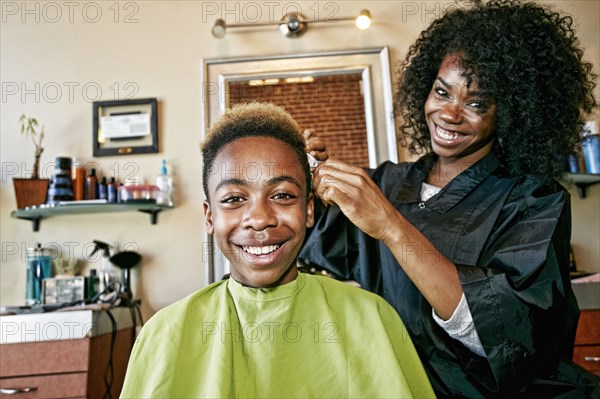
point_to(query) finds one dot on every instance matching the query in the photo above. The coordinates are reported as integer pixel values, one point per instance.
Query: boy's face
(258, 210)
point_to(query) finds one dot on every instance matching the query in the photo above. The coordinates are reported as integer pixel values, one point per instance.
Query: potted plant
(33, 191)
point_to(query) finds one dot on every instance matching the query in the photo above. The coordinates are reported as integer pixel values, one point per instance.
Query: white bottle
(164, 182)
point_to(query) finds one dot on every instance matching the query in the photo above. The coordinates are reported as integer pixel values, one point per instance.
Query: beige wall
(57, 57)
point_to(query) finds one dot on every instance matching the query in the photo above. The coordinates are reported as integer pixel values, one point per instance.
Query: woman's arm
(363, 203)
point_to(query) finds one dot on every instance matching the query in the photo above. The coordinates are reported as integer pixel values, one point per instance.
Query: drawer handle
(592, 359)
(14, 391)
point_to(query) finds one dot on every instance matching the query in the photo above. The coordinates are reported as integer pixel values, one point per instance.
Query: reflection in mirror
(345, 96)
(332, 105)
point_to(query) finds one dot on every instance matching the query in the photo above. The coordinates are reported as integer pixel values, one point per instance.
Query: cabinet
(587, 341)
(64, 367)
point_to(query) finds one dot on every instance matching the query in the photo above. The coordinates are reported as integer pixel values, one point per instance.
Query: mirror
(346, 96)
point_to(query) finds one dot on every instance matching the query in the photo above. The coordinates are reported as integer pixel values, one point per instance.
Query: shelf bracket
(35, 221)
(581, 188)
(153, 214)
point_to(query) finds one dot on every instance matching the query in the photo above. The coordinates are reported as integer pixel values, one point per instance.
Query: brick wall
(332, 105)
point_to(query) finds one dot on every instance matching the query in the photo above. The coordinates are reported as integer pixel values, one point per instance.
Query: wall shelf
(36, 214)
(582, 181)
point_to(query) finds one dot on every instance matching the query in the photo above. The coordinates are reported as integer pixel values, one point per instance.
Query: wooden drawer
(587, 341)
(70, 385)
(588, 329)
(49, 357)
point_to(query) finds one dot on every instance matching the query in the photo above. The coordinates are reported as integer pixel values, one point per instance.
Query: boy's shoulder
(195, 303)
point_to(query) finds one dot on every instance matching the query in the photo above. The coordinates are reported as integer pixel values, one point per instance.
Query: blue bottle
(103, 189)
(591, 153)
(39, 267)
(111, 189)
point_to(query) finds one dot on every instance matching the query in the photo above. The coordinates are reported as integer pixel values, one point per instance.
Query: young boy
(268, 331)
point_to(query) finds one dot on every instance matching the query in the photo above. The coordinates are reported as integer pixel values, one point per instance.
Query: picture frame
(125, 127)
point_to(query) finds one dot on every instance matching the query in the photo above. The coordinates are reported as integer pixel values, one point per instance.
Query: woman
(470, 244)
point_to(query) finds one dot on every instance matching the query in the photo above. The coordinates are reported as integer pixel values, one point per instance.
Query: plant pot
(30, 192)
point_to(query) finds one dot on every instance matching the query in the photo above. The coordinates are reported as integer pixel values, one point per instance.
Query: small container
(573, 164)
(92, 284)
(119, 191)
(111, 189)
(39, 267)
(103, 189)
(78, 178)
(138, 193)
(91, 185)
(164, 182)
(591, 153)
(60, 185)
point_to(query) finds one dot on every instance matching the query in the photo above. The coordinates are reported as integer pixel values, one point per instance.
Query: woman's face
(459, 116)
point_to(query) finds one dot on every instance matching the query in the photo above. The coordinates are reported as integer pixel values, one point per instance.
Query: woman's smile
(448, 137)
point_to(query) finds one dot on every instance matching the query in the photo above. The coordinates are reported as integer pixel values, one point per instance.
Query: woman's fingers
(357, 196)
(314, 145)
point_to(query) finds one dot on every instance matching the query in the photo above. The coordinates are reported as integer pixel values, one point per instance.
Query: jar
(39, 267)
(60, 185)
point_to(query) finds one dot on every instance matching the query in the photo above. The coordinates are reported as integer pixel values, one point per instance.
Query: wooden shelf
(582, 181)
(36, 214)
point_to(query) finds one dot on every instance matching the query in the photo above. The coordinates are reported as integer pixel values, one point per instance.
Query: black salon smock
(509, 239)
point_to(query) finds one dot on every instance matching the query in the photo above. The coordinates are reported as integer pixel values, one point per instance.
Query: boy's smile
(259, 209)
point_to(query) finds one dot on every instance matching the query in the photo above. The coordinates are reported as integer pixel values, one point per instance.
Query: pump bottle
(164, 182)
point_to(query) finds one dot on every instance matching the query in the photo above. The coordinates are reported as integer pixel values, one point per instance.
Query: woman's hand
(315, 146)
(358, 197)
(365, 205)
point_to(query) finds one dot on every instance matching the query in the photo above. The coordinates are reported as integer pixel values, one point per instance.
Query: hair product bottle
(111, 189)
(103, 189)
(91, 184)
(78, 176)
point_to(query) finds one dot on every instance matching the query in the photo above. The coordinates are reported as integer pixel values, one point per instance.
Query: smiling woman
(470, 243)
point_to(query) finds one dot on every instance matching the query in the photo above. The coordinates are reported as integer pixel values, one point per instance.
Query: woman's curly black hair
(528, 57)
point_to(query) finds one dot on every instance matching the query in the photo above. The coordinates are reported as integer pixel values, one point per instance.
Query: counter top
(62, 325)
(587, 294)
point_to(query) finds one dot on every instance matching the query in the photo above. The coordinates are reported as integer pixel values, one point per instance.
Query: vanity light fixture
(293, 24)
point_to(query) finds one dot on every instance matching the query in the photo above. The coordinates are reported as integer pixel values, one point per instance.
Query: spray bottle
(106, 268)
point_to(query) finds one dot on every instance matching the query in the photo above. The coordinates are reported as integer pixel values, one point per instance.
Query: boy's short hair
(252, 120)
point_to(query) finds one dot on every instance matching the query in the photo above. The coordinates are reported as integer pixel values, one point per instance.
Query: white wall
(58, 57)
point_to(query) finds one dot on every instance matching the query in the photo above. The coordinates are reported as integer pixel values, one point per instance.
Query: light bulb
(363, 21)
(218, 30)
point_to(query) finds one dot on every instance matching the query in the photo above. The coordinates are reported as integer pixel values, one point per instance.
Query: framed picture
(125, 127)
